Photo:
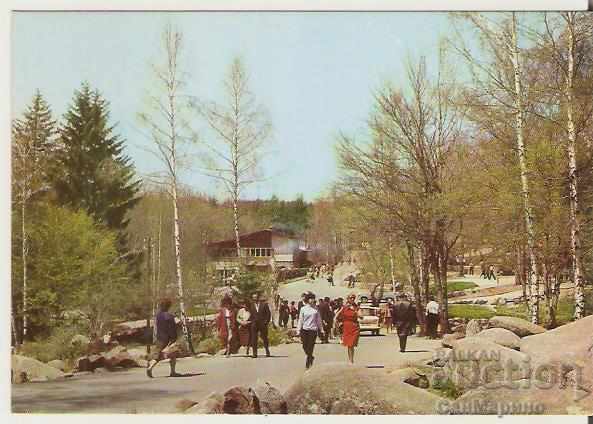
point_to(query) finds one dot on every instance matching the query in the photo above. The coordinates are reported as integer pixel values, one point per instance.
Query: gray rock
(25, 369)
(477, 361)
(449, 340)
(473, 327)
(332, 388)
(58, 364)
(518, 326)
(240, 400)
(559, 351)
(212, 404)
(270, 399)
(501, 336)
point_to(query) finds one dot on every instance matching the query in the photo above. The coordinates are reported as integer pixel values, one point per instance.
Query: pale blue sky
(314, 72)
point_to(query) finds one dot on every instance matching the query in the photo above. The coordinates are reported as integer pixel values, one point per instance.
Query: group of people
(244, 324)
(318, 271)
(487, 271)
(316, 320)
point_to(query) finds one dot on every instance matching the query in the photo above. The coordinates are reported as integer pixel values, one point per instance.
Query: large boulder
(57, 364)
(119, 357)
(472, 328)
(26, 369)
(449, 340)
(518, 326)
(270, 399)
(524, 397)
(440, 357)
(563, 350)
(240, 400)
(212, 404)
(477, 361)
(501, 336)
(338, 388)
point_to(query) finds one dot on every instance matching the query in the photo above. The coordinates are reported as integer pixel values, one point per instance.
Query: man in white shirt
(309, 325)
(432, 318)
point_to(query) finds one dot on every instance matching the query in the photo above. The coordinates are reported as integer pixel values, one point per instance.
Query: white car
(368, 319)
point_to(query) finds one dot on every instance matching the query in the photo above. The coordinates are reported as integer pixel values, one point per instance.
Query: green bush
(209, 345)
(57, 346)
(276, 336)
(446, 388)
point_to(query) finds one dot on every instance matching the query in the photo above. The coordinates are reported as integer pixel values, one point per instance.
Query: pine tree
(93, 174)
(32, 142)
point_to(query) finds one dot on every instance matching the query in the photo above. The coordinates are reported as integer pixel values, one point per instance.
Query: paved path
(130, 391)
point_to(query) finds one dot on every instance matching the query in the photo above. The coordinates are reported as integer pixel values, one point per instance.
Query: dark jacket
(325, 312)
(166, 330)
(404, 317)
(262, 317)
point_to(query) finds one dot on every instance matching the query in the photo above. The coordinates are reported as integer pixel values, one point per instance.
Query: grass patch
(460, 285)
(470, 311)
(445, 388)
(564, 313)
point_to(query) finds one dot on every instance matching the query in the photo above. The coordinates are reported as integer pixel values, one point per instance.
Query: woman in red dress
(348, 314)
(226, 322)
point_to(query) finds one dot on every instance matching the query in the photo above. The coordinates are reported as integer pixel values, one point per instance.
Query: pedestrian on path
(260, 320)
(482, 269)
(330, 279)
(166, 335)
(348, 316)
(402, 318)
(432, 318)
(226, 323)
(327, 318)
(283, 314)
(388, 322)
(309, 326)
(244, 322)
(294, 314)
(491, 274)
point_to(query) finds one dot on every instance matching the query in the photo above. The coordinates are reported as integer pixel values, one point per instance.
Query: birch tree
(240, 129)
(31, 144)
(566, 49)
(169, 132)
(499, 83)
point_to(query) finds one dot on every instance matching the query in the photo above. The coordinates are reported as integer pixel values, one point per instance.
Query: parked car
(369, 319)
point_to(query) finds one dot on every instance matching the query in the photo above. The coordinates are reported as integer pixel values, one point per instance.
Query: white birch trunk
(24, 258)
(391, 261)
(533, 276)
(575, 243)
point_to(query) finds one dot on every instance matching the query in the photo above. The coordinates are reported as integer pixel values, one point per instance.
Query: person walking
(432, 318)
(294, 314)
(401, 316)
(309, 326)
(330, 279)
(348, 316)
(482, 269)
(260, 319)
(283, 314)
(388, 322)
(244, 322)
(471, 268)
(166, 335)
(491, 274)
(226, 323)
(327, 318)
(301, 302)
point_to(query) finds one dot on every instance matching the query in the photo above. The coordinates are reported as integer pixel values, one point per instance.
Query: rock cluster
(516, 367)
